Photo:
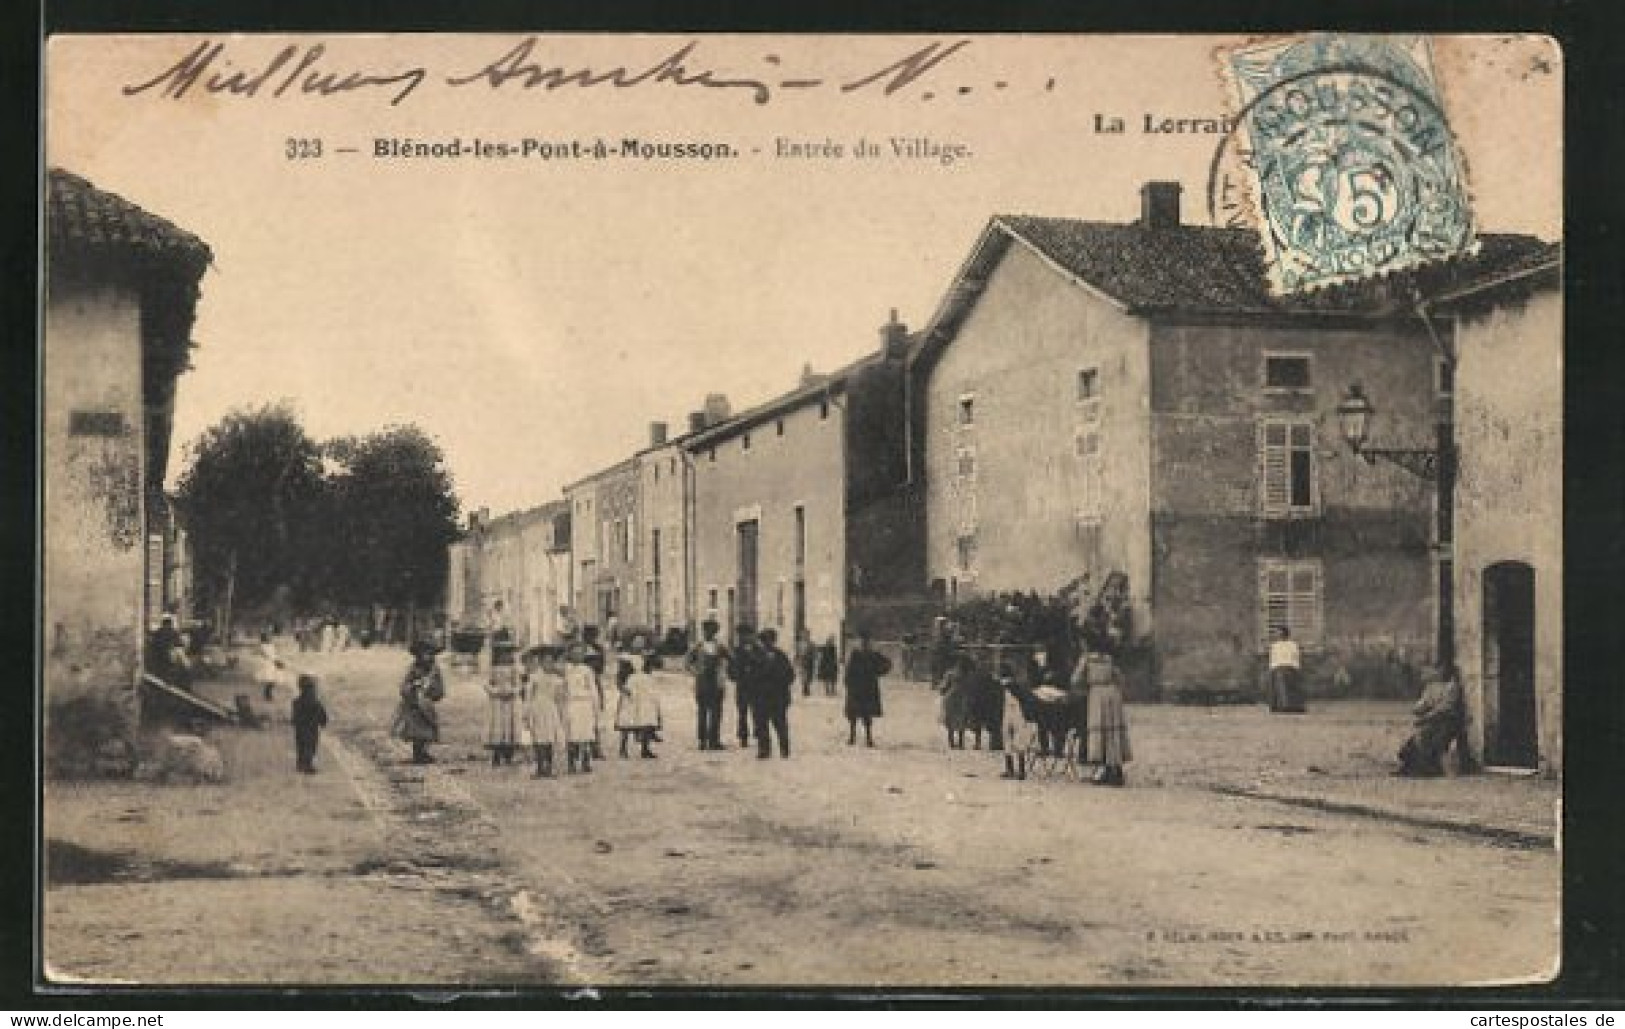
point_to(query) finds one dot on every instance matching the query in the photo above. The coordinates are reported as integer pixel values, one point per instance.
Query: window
(1287, 468)
(823, 409)
(96, 423)
(654, 551)
(1089, 394)
(1445, 377)
(778, 427)
(967, 409)
(966, 462)
(657, 473)
(780, 606)
(712, 605)
(629, 533)
(1290, 597)
(1090, 493)
(801, 537)
(967, 553)
(1286, 372)
(711, 455)
(744, 442)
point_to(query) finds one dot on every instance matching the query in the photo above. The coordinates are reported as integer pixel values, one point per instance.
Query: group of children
(558, 703)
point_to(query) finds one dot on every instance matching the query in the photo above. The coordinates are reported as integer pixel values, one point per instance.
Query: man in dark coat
(708, 662)
(747, 672)
(864, 668)
(774, 689)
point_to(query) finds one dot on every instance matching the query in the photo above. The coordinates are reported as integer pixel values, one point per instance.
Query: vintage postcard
(536, 511)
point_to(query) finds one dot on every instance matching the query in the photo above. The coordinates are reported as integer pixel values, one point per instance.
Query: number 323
(302, 149)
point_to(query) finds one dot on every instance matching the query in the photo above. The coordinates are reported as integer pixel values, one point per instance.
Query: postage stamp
(1351, 167)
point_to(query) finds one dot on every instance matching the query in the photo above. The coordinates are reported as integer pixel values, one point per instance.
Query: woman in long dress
(583, 710)
(1107, 733)
(416, 720)
(545, 698)
(864, 669)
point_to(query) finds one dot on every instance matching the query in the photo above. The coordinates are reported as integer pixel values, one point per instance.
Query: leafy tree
(393, 514)
(247, 499)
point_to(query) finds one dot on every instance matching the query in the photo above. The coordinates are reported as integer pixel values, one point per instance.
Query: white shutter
(1305, 604)
(1273, 486)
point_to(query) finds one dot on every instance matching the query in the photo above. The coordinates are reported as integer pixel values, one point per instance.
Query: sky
(534, 316)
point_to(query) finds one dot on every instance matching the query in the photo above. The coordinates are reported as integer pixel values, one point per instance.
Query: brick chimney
(1159, 205)
(894, 337)
(657, 434)
(717, 409)
(696, 421)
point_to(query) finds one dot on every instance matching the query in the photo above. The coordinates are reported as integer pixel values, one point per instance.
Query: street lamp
(1435, 464)
(1430, 463)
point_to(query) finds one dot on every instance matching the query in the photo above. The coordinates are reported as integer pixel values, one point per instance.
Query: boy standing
(309, 717)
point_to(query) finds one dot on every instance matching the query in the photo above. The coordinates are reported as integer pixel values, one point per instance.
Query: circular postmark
(1344, 165)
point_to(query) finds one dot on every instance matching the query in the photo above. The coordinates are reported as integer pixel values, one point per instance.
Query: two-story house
(801, 512)
(1096, 398)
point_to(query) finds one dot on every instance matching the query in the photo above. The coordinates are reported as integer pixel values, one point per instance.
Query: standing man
(1285, 675)
(777, 685)
(747, 673)
(708, 662)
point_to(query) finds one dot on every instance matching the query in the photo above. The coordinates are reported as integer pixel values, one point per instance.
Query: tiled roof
(83, 221)
(821, 386)
(1197, 268)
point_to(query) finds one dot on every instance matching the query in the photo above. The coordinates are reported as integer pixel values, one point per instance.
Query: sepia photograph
(543, 511)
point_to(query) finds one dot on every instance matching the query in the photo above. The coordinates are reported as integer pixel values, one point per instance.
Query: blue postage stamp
(1354, 172)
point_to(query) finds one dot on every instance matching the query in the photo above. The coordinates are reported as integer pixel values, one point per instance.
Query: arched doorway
(1509, 665)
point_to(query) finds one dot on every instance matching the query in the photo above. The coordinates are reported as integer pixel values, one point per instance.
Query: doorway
(749, 536)
(1511, 732)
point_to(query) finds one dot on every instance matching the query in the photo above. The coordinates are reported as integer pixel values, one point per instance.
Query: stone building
(665, 482)
(605, 515)
(121, 292)
(801, 512)
(1095, 398)
(519, 560)
(1508, 581)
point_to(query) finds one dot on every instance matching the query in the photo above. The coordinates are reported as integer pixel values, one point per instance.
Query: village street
(904, 864)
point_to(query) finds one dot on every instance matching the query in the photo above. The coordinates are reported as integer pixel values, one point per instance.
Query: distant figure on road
(268, 667)
(829, 665)
(583, 709)
(416, 720)
(1284, 679)
(309, 717)
(708, 663)
(776, 685)
(166, 655)
(864, 668)
(1440, 720)
(747, 668)
(595, 657)
(806, 661)
(544, 698)
(1107, 729)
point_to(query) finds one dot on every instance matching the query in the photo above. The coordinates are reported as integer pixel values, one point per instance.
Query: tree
(245, 499)
(395, 512)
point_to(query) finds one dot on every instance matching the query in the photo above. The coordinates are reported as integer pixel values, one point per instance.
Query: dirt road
(909, 864)
(902, 865)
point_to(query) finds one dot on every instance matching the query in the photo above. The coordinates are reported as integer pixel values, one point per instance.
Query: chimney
(1159, 205)
(808, 376)
(717, 410)
(696, 421)
(894, 337)
(657, 434)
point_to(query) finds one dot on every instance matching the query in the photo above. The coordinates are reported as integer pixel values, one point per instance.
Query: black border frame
(1593, 970)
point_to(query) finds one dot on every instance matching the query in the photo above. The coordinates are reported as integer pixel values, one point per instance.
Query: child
(309, 716)
(638, 714)
(582, 710)
(502, 716)
(545, 700)
(268, 667)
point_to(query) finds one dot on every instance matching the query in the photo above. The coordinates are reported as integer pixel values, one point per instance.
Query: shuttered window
(1290, 597)
(1287, 485)
(1090, 493)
